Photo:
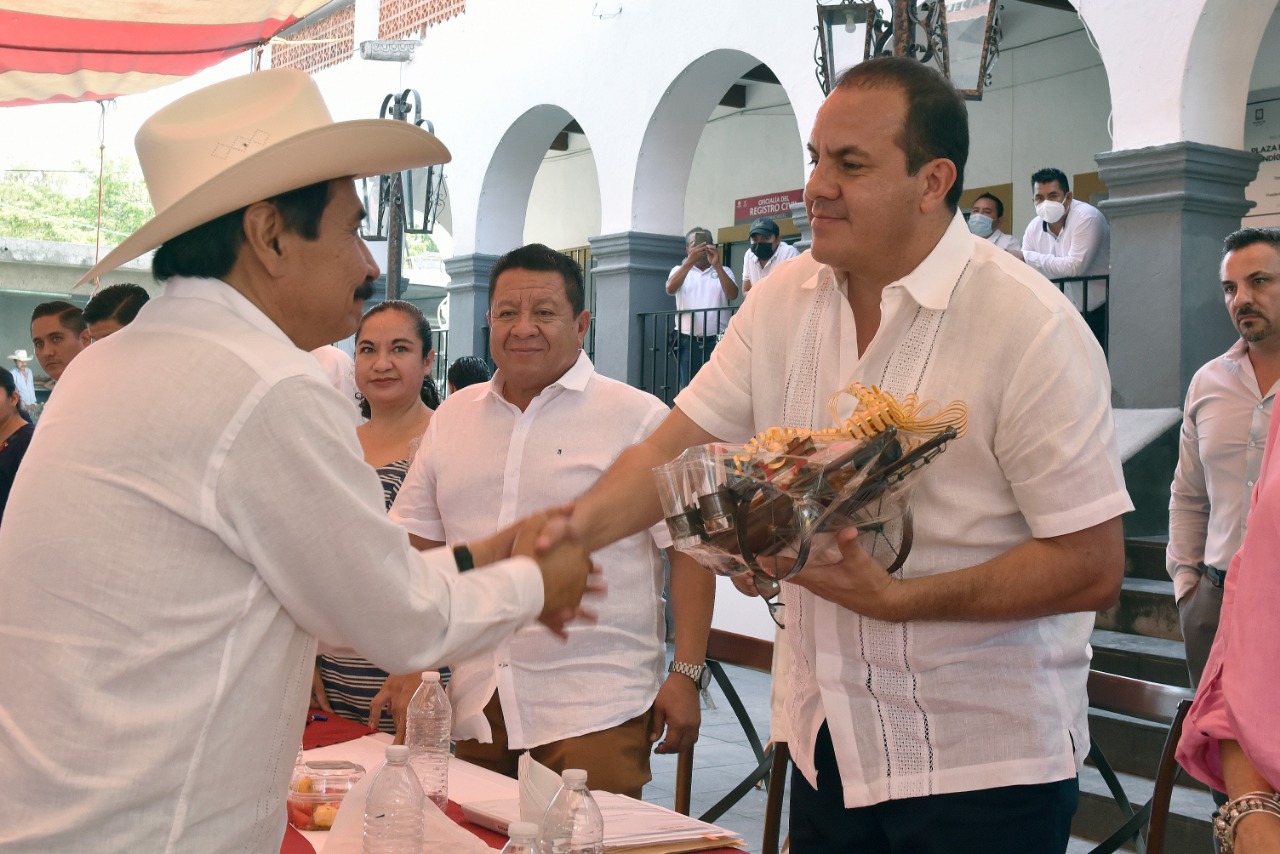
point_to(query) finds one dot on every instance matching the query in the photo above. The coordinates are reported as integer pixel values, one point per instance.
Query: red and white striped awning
(54, 51)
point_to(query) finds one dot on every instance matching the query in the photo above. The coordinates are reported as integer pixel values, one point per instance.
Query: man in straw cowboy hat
(158, 656)
(22, 377)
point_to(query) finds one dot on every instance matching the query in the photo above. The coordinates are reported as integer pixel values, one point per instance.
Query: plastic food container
(317, 789)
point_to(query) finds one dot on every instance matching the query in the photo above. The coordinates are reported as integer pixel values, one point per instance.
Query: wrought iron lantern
(960, 37)
(401, 203)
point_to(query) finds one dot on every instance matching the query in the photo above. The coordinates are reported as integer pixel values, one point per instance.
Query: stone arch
(665, 158)
(508, 179)
(1187, 77)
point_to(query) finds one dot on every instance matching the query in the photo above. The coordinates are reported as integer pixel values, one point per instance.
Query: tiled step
(1153, 659)
(1189, 830)
(1131, 745)
(1144, 558)
(1146, 607)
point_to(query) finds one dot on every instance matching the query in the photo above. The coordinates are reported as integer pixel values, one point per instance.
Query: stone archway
(504, 191)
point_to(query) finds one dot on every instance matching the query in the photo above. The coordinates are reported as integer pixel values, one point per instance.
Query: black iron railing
(675, 344)
(1090, 294)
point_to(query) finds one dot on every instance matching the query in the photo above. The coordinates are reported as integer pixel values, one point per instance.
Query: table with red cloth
(325, 729)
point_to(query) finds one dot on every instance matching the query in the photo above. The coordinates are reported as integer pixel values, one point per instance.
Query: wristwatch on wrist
(699, 673)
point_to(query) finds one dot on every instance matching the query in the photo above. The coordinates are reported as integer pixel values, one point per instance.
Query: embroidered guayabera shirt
(929, 707)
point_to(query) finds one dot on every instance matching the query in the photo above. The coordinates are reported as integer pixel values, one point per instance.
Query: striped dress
(350, 682)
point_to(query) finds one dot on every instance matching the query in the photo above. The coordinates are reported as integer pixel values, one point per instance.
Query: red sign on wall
(774, 206)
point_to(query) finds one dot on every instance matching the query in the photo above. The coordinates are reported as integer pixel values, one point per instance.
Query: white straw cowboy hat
(249, 138)
(20, 356)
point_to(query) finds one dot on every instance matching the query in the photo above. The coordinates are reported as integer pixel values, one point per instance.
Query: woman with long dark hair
(15, 435)
(393, 366)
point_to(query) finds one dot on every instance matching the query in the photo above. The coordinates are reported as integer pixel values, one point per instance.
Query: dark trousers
(1010, 820)
(1097, 322)
(1199, 612)
(692, 352)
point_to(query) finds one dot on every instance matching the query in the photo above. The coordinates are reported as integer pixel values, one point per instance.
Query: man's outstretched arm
(625, 498)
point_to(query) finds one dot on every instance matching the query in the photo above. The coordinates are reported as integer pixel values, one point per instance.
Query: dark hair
(10, 389)
(118, 302)
(937, 122)
(429, 393)
(1249, 236)
(999, 204)
(541, 259)
(210, 250)
(467, 370)
(71, 318)
(697, 229)
(1048, 175)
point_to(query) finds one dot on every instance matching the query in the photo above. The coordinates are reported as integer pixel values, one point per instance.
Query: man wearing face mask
(985, 218)
(766, 253)
(1068, 239)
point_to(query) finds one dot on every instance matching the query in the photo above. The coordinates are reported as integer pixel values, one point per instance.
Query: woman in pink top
(1231, 739)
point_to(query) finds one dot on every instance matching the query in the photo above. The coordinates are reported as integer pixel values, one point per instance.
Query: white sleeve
(1084, 246)
(1188, 506)
(1056, 433)
(295, 500)
(415, 508)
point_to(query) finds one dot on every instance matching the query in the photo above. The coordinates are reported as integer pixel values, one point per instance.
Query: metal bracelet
(1230, 813)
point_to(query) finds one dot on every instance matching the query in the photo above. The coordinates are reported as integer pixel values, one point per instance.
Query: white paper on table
(627, 821)
(538, 785)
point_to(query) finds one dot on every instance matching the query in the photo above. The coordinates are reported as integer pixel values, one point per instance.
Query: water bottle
(572, 823)
(393, 809)
(523, 838)
(428, 724)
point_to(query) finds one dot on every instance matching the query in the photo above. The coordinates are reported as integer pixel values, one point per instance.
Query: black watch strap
(463, 558)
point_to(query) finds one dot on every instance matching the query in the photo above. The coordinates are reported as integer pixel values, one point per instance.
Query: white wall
(564, 205)
(744, 152)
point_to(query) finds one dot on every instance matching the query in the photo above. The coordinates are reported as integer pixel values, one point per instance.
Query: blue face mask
(980, 224)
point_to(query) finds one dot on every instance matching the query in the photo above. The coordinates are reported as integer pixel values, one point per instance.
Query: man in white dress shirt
(1069, 239)
(1224, 432)
(159, 650)
(703, 286)
(765, 254)
(539, 434)
(940, 709)
(986, 215)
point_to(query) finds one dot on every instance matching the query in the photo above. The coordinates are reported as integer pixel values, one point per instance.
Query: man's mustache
(365, 291)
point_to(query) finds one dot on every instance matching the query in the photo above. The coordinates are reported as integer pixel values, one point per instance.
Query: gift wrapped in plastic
(761, 507)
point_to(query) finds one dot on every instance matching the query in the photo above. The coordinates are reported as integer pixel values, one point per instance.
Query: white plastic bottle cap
(523, 831)
(431, 676)
(572, 776)
(397, 753)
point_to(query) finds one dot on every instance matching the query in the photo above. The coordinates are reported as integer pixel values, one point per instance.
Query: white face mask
(980, 224)
(1051, 211)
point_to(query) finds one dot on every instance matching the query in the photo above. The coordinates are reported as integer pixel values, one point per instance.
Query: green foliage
(63, 205)
(417, 244)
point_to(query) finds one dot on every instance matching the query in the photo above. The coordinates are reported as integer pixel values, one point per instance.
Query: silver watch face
(700, 674)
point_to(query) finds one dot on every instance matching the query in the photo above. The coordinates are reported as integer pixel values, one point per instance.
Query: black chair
(1163, 704)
